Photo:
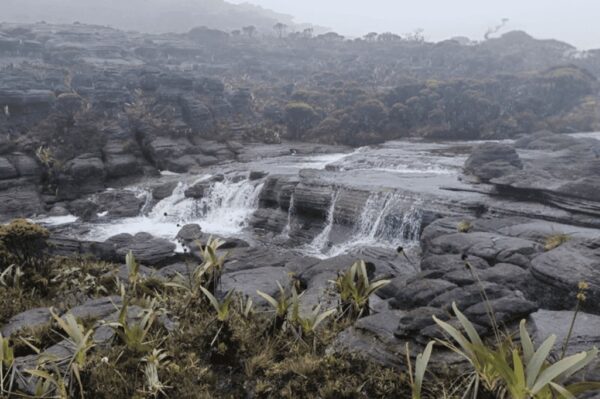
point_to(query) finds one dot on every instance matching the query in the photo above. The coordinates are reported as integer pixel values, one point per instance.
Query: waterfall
(227, 205)
(319, 243)
(385, 221)
(285, 233)
(224, 209)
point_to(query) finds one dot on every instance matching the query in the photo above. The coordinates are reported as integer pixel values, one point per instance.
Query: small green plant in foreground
(7, 360)
(281, 306)
(515, 372)
(421, 362)
(355, 289)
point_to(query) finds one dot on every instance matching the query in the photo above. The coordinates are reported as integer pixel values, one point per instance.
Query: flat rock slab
(146, 248)
(247, 282)
(559, 271)
(32, 318)
(585, 335)
(489, 246)
(97, 308)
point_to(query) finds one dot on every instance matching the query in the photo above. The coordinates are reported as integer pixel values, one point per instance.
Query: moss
(464, 226)
(555, 241)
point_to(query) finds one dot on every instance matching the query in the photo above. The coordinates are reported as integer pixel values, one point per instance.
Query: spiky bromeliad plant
(355, 288)
(515, 372)
(206, 275)
(7, 370)
(212, 265)
(281, 305)
(135, 334)
(80, 342)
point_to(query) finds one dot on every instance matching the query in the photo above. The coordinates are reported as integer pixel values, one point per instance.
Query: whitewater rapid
(231, 198)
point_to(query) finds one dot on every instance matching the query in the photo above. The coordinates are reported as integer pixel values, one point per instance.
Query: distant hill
(154, 16)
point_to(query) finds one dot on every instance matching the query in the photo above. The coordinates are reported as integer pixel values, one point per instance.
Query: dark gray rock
(190, 232)
(506, 310)
(30, 319)
(492, 247)
(467, 296)
(373, 336)
(84, 209)
(82, 175)
(249, 281)
(492, 160)
(253, 257)
(146, 248)
(451, 263)
(196, 191)
(96, 308)
(257, 175)
(7, 170)
(412, 322)
(585, 335)
(21, 201)
(180, 268)
(120, 165)
(558, 272)
(120, 203)
(25, 165)
(420, 293)
(164, 190)
(329, 267)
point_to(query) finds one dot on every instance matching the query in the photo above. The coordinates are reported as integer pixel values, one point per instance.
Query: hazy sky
(574, 21)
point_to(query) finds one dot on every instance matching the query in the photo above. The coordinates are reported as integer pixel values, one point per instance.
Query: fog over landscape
(298, 199)
(572, 21)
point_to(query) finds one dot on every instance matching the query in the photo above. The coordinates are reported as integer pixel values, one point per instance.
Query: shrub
(23, 243)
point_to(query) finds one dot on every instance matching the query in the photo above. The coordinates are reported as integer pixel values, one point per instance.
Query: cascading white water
(385, 221)
(285, 233)
(319, 243)
(227, 205)
(224, 210)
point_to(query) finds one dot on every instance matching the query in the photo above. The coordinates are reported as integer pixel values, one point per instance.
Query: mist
(571, 21)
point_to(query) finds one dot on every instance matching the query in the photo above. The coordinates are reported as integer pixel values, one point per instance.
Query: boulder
(26, 166)
(20, 201)
(164, 190)
(492, 160)
(120, 165)
(146, 248)
(82, 175)
(197, 190)
(120, 203)
(557, 273)
(84, 209)
(585, 334)
(190, 233)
